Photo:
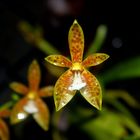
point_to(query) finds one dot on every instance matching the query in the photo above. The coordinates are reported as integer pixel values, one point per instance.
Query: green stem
(6, 105)
(121, 108)
(132, 126)
(98, 41)
(34, 35)
(46, 47)
(10, 103)
(114, 94)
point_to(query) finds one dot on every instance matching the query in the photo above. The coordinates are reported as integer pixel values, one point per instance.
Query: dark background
(55, 17)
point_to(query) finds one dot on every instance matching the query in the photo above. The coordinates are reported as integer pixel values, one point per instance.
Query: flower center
(31, 95)
(77, 66)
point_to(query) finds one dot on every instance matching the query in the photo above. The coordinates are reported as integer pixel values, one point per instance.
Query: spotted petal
(92, 91)
(46, 91)
(19, 88)
(59, 60)
(62, 92)
(34, 76)
(76, 42)
(18, 113)
(42, 116)
(95, 59)
(4, 132)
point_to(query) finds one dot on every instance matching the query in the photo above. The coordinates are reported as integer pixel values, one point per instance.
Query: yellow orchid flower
(32, 103)
(4, 131)
(77, 77)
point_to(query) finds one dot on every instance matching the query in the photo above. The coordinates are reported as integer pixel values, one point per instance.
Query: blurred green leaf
(115, 94)
(34, 36)
(98, 41)
(6, 105)
(124, 70)
(120, 107)
(110, 126)
(133, 137)
(131, 125)
(106, 127)
(81, 115)
(10, 103)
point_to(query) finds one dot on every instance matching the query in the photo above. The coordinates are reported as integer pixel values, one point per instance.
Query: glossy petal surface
(92, 91)
(95, 59)
(18, 113)
(19, 88)
(4, 132)
(34, 76)
(42, 117)
(46, 91)
(76, 42)
(77, 77)
(59, 60)
(62, 93)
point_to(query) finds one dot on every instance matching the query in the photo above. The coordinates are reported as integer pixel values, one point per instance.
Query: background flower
(4, 131)
(32, 103)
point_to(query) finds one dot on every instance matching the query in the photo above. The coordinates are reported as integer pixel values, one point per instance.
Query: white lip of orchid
(77, 82)
(30, 107)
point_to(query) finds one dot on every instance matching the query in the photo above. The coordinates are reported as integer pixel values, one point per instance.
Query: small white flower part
(30, 107)
(21, 116)
(63, 103)
(77, 82)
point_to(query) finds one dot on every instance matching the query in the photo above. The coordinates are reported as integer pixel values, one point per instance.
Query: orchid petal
(18, 113)
(5, 113)
(4, 132)
(95, 59)
(34, 76)
(62, 92)
(59, 60)
(19, 88)
(92, 91)
(46, 91)
(76, 42)
(42, 116)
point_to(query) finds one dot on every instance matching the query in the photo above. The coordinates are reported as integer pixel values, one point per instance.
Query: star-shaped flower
(77, 77)
(31, 103)
(4, 131)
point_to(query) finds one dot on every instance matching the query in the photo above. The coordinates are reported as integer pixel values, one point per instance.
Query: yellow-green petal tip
(75, 21)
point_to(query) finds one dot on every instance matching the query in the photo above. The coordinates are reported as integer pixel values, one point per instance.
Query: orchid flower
(4, 131)
(31, 103)
(77, 77)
